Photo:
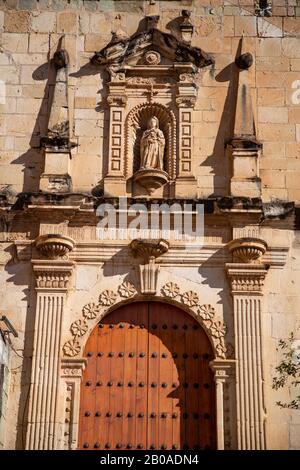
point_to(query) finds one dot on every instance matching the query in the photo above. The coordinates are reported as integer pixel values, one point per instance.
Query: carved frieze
(204, 313)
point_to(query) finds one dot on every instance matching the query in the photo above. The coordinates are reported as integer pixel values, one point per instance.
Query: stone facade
(226, 94)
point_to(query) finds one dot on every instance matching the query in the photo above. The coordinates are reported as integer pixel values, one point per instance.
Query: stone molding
(189, 301)
(53, 275)
(247, 249)
(246, 279)
(54, 246)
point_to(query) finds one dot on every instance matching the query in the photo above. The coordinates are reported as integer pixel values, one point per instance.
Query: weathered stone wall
(30, 32)
(4, 386)
(29, 35)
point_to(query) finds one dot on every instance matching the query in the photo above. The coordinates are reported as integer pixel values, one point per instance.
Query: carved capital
(222, 368)
(149, 249)
(73, 368)
(117, 100)
(246, 278)
(247, 249)
(185, 101)
(54, 276)
(54, 246)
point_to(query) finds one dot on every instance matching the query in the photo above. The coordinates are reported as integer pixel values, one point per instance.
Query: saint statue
(152, 146)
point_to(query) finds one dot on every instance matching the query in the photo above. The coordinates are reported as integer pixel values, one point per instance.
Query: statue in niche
(152, 146)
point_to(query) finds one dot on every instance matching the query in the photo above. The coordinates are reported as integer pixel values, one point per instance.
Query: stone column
(223, 370)
(71, 375)
(52, 280)
(246, 280)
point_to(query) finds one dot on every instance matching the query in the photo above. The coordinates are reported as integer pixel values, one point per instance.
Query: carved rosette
(248, 250)
(205, 314)
(54, 246)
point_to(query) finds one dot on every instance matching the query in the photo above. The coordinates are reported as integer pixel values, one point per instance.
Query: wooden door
(147, 384)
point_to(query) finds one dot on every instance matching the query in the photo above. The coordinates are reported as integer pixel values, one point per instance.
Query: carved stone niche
(152, 76)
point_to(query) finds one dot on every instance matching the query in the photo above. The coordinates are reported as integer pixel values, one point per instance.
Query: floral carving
(107, 297)
(218, 329)
(71, 348)
(206, 311)
(91, 310)
(127, 289)
(190, 298)
(79, 327)
(171, 289)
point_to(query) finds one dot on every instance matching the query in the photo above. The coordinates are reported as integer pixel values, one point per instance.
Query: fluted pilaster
(246, 281)
(52, 280)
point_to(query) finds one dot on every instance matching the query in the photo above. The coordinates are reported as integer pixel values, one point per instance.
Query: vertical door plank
(153, 380)
(141, 376)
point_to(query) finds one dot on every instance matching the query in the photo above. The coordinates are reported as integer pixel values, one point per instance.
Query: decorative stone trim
(171, 289)
(127, 289)
(71, 374)
(52, 276)
(54, 246)
(167, 123)
(204, 314)
(148, 249)
(246, 279)
(247, 249)
(107, 297)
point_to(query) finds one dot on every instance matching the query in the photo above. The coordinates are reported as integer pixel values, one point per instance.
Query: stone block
(95, 42)
(39, 42)
(298, 132)
(274, 149)
(273, 179)
(245, 26)
(43, 22)
(295, 65)
(280, 132)
(292, 179)
(228, 26)
(270, 28)
(16, 21)
(20, 124)
(268, 47)
(85, 127)
(291, 47)
(294, 115)
(272, 114)
(270, 79)
(1, 21)
(293, 149)
(276, 64)
(28, 105)
(15, 42)
(67, 22)
(83, 102)
(271, 97)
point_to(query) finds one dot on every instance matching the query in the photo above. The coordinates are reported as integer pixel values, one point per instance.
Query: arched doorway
(147, 384)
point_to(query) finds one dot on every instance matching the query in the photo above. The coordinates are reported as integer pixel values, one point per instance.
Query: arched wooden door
(147, 384)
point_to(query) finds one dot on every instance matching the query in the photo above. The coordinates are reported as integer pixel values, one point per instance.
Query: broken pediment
(125, 50)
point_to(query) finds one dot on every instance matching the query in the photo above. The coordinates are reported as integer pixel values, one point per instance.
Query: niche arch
(136, 123)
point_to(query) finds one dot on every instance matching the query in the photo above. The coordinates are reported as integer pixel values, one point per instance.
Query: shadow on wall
(33, 159)
(21, 275)
(218, 161)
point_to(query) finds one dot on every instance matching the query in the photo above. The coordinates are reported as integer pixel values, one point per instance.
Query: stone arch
(135, 124)
(110, 300)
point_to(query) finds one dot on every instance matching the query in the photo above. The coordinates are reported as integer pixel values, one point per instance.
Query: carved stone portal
(152, 91)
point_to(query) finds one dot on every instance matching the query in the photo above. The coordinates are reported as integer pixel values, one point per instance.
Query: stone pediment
(122, 50)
